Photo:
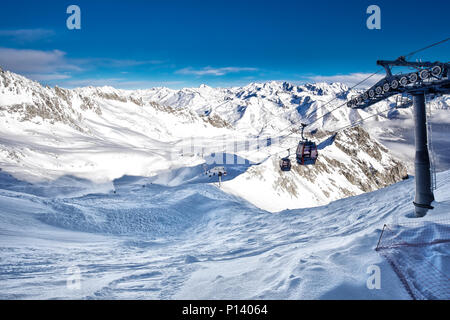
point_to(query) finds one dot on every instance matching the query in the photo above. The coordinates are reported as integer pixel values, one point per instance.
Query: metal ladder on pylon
(430, 144)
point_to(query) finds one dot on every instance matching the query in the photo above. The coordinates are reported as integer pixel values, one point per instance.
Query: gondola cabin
(285, 164)
(306, 153)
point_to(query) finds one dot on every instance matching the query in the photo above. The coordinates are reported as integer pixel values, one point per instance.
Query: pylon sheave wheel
(436, 71)
(365, 96)
(424, 74)
(394, 84)
(403, 81)
(371, 93)
(413, 77)
(378, 90)
(360, 99)
(386, 87)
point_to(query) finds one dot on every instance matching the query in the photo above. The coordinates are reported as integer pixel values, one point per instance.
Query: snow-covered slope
(193, 241)
(108, 185)
(104, 133)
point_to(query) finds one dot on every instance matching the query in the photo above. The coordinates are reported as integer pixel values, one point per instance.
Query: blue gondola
(306, 151)
(285, 164)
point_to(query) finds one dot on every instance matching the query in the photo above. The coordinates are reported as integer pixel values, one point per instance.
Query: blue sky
(140, 44)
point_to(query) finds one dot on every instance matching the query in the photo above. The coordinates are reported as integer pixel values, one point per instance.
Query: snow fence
(418, 251)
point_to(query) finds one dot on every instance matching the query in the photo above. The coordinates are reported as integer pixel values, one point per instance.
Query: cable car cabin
(285, 164)
(307, 153)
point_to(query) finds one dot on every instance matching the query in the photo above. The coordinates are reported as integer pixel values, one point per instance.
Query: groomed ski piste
(149, 240)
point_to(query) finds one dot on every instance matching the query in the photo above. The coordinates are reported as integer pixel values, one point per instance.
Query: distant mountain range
(103, 133)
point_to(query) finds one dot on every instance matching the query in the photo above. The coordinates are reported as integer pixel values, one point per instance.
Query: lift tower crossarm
(429, 77)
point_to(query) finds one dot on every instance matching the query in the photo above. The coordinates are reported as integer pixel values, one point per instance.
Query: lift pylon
(428, 78)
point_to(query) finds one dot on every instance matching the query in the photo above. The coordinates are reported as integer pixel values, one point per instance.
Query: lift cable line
(425, 48)
(399, 105)
(362, 81)
(357, 122)
(359, 83)
(328, 102)
(349, 89)
(351, 125)
(334, 109)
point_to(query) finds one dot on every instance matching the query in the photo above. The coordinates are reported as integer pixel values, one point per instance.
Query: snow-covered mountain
(101, 134)
(108, 188)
